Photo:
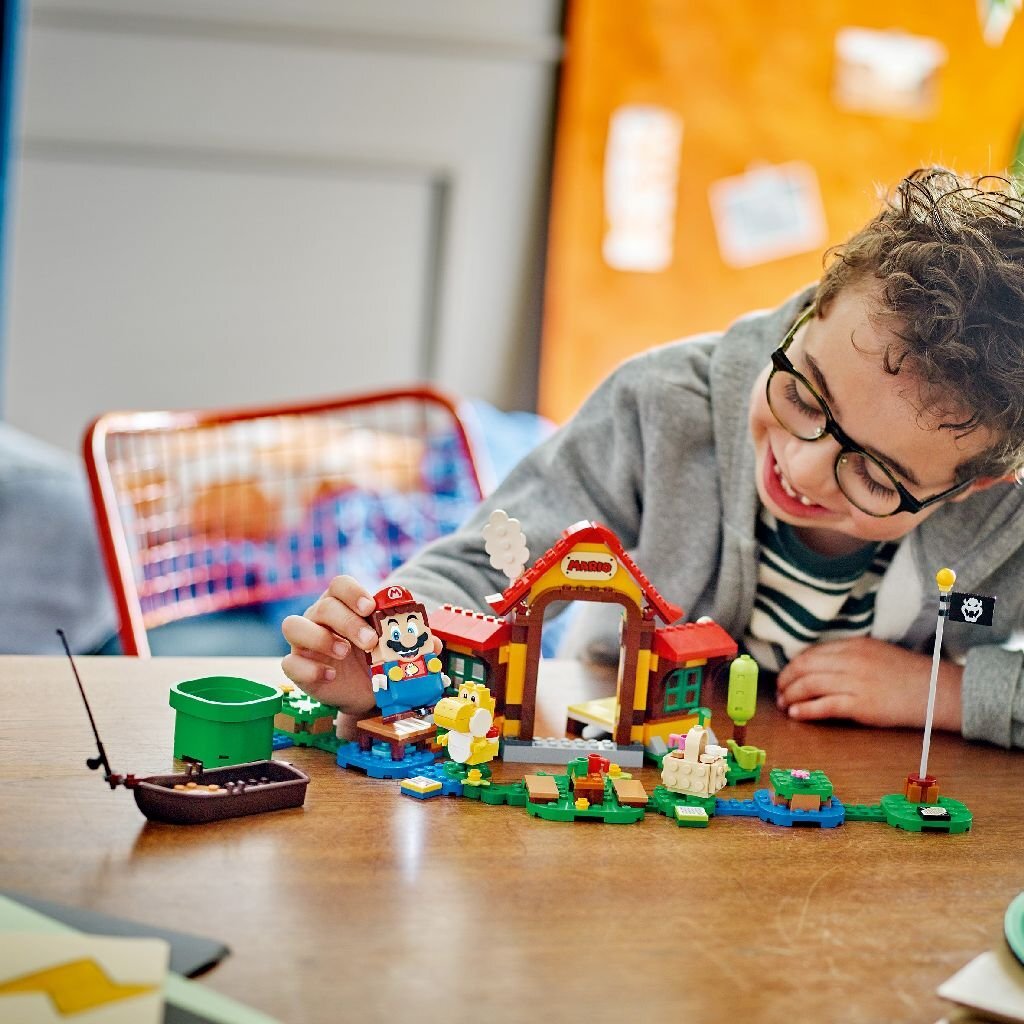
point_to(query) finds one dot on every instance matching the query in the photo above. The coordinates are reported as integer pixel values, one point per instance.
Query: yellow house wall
(622, 581)
(640, 694)
(514, 679)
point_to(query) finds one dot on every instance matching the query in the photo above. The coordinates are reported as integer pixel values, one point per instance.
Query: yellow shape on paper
(74, 987)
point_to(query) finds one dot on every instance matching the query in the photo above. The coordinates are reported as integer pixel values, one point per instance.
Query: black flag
(976, 609)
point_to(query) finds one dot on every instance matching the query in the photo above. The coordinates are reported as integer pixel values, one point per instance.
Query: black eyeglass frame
(908, 503)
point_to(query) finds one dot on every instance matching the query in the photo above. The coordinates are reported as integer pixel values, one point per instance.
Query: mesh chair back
(202, 511)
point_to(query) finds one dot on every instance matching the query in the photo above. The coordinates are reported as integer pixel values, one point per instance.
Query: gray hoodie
(661, 454)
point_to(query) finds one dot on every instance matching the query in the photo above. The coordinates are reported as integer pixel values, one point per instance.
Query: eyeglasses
(867, 483)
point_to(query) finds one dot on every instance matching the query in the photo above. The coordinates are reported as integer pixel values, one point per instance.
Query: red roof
(474, 629)
(581, 533)
(688, 641)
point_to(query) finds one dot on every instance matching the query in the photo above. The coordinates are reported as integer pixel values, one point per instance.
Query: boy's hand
(326, 659)
(868, 681)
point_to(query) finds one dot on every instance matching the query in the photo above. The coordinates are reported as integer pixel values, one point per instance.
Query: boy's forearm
(948, 701)
(993, 696)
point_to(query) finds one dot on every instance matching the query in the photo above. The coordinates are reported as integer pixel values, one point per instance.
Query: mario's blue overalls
(411, 684)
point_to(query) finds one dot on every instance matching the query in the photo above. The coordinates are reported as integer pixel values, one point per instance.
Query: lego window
(467, 670)
(682, 690)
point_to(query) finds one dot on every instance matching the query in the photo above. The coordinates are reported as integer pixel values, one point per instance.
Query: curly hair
(948, 252)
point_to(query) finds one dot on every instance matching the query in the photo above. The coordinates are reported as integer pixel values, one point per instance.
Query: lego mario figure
(405, 668)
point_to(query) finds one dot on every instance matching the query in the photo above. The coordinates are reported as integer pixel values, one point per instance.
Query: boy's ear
(983, 483)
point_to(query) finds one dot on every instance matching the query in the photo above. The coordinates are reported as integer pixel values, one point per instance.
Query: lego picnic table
(364, 903)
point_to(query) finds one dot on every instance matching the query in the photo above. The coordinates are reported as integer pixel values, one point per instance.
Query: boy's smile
(782, 493)
(842, 352)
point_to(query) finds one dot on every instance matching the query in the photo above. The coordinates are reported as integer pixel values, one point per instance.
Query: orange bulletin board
(749, 83)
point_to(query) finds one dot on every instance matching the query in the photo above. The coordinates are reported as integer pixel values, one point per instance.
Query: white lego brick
(692, 813)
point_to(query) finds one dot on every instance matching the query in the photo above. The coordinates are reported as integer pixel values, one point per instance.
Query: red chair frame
(122, 548)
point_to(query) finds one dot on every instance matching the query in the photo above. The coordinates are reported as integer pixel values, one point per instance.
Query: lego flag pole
(944, 578)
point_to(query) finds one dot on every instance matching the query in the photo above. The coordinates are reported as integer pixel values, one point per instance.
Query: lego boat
(196, 796)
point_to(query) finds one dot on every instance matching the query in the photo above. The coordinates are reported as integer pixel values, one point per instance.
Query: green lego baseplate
(689, 811)
(788, 782)
(865, 812)
(304, 713)
(497, 793)
(945, 815)
(566, 808)
(665, 801)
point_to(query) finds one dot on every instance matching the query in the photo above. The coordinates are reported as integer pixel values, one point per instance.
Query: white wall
(236, 201)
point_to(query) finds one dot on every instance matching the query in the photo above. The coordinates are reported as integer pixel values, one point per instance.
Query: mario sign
(589, 565)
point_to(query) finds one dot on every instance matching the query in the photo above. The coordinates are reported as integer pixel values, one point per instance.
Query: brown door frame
(626, 683)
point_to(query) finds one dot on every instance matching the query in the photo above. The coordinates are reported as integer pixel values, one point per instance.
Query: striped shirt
(804, 597)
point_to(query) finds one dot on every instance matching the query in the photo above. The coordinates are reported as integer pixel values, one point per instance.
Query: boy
(800, 478)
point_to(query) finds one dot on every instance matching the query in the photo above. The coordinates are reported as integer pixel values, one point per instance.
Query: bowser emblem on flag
(975, 609)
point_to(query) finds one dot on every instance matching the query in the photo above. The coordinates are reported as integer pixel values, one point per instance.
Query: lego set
(495, 661)
(463, 684)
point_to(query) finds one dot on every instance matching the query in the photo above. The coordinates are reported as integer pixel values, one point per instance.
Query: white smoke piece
(505, 542)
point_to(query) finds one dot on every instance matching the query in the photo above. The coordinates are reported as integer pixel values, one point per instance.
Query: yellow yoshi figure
(472, 737)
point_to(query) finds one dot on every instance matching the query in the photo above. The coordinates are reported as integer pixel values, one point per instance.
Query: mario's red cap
(393, 597)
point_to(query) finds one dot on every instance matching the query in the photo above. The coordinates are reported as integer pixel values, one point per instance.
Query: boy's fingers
(832, 705)
(820, 657)
(810, 686)
(809, 660)
(351, 592)
(339, 619)
(788, 694)
(304, 670)
(302, 632)
(789, 676)
(314, 639)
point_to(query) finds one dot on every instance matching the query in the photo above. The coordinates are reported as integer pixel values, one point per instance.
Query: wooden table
(367, 905)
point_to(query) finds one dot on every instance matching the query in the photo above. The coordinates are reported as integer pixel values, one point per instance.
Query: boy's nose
(811, 466)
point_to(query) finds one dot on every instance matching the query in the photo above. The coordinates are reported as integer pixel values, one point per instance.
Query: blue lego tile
(282, 741)
(381, 766)
(736, 809)
(778, 814)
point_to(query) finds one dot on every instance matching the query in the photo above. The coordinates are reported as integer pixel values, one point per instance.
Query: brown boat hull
(253, 788)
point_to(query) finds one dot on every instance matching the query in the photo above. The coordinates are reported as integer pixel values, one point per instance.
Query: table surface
(369, 905)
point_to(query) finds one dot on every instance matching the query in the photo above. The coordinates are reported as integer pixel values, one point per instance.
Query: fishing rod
(101, 758)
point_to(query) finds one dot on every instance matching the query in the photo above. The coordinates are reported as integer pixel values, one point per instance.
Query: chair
(204, 511)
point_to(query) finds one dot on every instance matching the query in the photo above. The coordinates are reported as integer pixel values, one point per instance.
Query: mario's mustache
(399, 648)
